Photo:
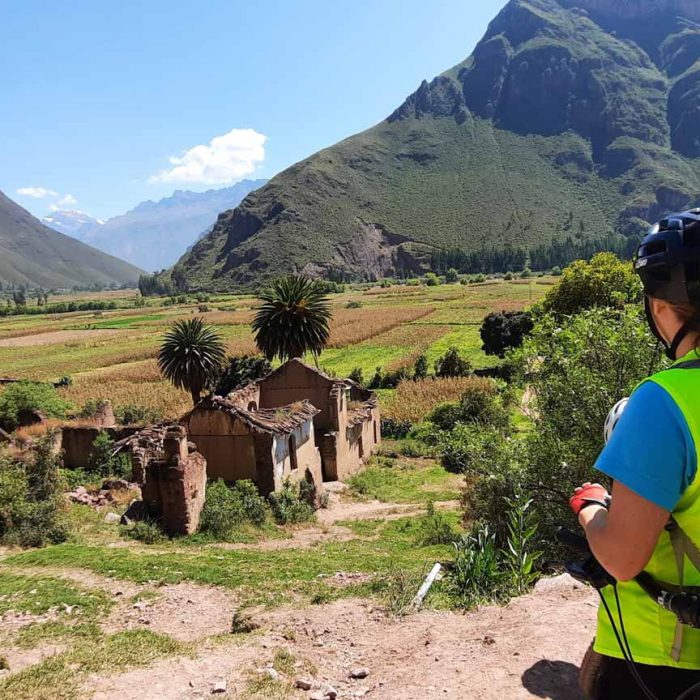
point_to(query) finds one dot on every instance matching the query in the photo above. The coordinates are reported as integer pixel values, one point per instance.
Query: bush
(605, 281)
(555, 271)
(353, 304)
(226, 508)
(503, 330)
(395, 429)
(452, 364)
(526, 273)
(30, 396)
(289, 505)
(134, 414)
(420, 368)
(432, 280)
(240, 372)
(356, 375)
(104, 462)
(145, 531)
(31, 506)
(435, 528)
(452, 276)
(508, 276)
(481, 403)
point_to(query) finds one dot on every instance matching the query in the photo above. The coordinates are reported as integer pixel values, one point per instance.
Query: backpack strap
(682, 547)
(688, 364)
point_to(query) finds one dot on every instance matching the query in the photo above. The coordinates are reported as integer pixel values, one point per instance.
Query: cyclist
(651, 521)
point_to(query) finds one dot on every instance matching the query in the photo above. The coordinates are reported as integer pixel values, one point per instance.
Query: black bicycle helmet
(668, 263)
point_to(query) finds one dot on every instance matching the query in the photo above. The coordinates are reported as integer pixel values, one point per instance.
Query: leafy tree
(452, 364)
(293, 319)
(30, 396)
(356, 375)
(452, 276)
(503, 330)
(431, 279)
(191, 356)
(604, 281)
(240, 372)
(420, 369)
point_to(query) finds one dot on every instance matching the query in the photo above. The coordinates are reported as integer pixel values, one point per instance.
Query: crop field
(111, 354)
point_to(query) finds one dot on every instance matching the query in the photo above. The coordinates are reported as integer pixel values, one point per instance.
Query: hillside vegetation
(34, 255)
(559, 129)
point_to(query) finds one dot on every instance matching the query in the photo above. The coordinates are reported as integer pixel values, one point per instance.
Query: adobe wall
(76, 443)
(294, 383)
(356, 444)
(225, 442)
(308, 458)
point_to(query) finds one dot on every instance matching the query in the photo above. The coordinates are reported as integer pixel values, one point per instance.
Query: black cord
(630, 663)
(687, 693)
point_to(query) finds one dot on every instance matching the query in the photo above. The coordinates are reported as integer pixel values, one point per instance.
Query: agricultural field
(110, 354)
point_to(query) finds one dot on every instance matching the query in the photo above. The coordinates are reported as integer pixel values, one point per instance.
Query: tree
(452, 276)
(503, 330)
(605, 281)
(452, 364)
(241, 371)
(420, 369)
(293, 319)
(191, 356)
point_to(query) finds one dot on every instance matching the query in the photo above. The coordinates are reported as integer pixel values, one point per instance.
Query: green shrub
(446, 415)
(227, 508)
(72, 478)
(356, 375)
(435, 528)
(432, 280)
(605, 281)
(420, 368)
(526, 273)
(452, 364)
(289, 506)
(91, 407)
(395, 429)
(145, 531)
(452, 276)
(240, 372)
(30, 396)
(354, 304)
(104, 462)
(32, 511)
(555, 271)
(134, 414)
(504, 330)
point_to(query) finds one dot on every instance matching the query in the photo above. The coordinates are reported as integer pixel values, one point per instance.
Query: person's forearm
(610, 548)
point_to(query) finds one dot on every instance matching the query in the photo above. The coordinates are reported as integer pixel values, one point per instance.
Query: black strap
(688, 364)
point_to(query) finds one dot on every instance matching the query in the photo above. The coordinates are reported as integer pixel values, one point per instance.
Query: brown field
(52, 337)
(413, 401)
(350, 326)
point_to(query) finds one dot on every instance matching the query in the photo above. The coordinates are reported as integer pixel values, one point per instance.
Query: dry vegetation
(413, 401)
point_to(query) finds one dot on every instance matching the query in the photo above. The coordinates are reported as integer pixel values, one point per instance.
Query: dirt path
(522, 650)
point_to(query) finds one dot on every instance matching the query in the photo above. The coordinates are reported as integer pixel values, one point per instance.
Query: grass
(259, 577)
(59, 676)
(40, 594)
(405, 481)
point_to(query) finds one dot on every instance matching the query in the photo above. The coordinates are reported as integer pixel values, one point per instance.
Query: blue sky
(98, 97)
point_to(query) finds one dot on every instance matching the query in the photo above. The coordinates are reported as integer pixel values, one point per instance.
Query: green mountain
(572, 124)
(34, 255)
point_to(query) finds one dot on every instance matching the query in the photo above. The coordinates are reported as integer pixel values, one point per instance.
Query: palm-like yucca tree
(292, 319)
(191, 356)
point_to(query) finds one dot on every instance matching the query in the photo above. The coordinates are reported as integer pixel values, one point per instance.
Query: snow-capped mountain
(71, 221)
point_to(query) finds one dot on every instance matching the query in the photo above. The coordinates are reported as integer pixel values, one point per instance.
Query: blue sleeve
(651, 450)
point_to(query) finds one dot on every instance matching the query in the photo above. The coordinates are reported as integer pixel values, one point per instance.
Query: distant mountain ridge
(70, 221)
(153, 235)
(35, 255)
(572, 121)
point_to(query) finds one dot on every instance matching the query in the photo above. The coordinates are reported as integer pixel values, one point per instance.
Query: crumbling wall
(305, 463)
(175, 487)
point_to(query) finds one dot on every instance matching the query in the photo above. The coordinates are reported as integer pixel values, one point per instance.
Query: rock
(115, 485)
(359, 673)
(329, 692)
(135, 512)
(556, 583)
(316, 695)
(272, 674)
(219, 687)
(302, 684)
(112, 518)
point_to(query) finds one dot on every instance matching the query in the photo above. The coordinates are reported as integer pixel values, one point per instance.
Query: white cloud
(66, 200)
(225, 159)
(37, 192)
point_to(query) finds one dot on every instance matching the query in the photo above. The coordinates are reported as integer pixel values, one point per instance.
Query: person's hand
(589, 495)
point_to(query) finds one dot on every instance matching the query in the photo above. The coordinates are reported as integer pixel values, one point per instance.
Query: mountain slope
(572, 119)
(154, 234)
(34, 255)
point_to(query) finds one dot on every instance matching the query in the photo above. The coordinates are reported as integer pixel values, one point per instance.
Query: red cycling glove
(587, 495)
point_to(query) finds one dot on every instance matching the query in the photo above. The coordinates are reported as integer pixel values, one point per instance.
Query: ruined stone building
(296, 423)
(267, 445)
(346, 424)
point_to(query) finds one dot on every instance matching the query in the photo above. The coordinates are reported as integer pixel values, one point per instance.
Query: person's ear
(664, 317)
